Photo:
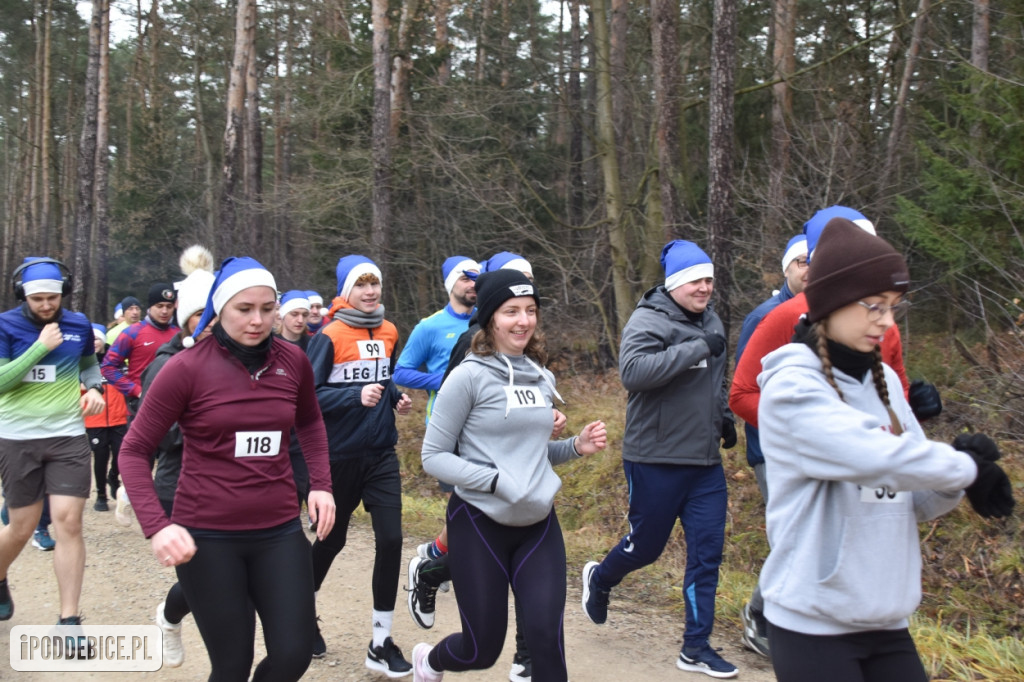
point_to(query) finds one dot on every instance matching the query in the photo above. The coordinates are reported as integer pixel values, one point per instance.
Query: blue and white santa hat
(43, 277)
(817, 223)
(100, 332)
(313, 297)
(118, 311)
(684, 262)
(796, 247)
(456, 267)
(351, 268)
(235, 275)
(293, 300)
(506, 260)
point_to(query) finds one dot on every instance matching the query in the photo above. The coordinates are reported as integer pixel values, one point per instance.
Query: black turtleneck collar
(161, 327)
(253, 357)
(27, 312)
(850, 362)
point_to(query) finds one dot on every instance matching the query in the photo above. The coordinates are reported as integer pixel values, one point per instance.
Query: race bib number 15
(41, 374)
(257, 443)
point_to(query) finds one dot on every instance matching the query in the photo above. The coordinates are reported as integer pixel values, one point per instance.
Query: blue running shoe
(41, 540)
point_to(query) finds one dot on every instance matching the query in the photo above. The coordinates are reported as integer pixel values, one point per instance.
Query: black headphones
(19, 287)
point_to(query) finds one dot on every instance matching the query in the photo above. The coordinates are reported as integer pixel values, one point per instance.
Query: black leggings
(222, 582)
(875, 656)
(105, 443)
(374, 480)
(487, 557)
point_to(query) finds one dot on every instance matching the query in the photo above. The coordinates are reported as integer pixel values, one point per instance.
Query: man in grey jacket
(673, 360)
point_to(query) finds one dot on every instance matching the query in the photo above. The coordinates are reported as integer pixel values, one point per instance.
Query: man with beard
(425, 356)
(45, 352)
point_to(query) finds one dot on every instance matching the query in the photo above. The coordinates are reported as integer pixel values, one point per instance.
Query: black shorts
(33, 468)
(375, 479)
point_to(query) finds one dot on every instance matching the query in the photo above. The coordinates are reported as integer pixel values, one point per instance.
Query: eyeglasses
(800, 262)
(877, 311)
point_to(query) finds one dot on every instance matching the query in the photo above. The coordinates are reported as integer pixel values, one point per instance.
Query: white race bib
(41, 374)
(523, 396)
(882, 496)
(371, 350)
(257, 443)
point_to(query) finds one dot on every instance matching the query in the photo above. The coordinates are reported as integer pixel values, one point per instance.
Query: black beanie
(495, 287)
(848, 265)
(162, 292)
(128, 301)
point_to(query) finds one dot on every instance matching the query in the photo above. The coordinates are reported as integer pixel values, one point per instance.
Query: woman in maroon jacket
(235, 535)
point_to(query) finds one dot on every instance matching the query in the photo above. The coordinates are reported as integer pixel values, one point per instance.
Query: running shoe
(42, 541)
(319, 645)
(595, 600)
(428, 550)
(174, 652)
(522, 668)
(101, 504)
(387, 658)
(421, 671)
(123, 512)
(77, 636)
(420, 596)
(755, 631)
(6, 603)
(705, 660)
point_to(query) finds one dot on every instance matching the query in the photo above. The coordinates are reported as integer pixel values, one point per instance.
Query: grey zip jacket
(846, 497)
(678, 397)
(498, 410)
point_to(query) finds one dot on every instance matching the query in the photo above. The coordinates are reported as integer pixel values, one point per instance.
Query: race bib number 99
(41, 374)
(371, 350)
(524, 396)
(257, 443)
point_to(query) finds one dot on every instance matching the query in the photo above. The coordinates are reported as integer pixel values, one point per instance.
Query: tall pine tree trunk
(101, 238)
(783, 65)
(253, 139)
(899, 113)
(667, 86)
(608, 155)
(233, 133)
(402, 66)
(721, 209)
(87, 166)
(381, 151)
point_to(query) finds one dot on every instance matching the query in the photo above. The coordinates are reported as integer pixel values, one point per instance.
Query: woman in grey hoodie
(502, 528)
(851, 474)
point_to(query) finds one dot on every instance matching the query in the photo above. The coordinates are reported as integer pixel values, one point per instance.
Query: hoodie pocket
(875, 577)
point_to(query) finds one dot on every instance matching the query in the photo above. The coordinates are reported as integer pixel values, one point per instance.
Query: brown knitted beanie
(849, 264)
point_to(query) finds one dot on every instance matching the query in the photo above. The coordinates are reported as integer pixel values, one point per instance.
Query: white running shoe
(421, 670)
(174, 652)
(123, 512)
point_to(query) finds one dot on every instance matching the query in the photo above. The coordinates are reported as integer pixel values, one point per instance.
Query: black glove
(978, 445)
(924, 400)
(716, 343)
(728, 434)
(991, 494)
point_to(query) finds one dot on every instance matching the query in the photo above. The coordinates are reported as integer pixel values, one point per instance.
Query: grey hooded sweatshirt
(498, 410)
(846, 497)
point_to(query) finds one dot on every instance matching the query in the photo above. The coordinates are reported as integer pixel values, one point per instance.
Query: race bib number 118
(257, 443)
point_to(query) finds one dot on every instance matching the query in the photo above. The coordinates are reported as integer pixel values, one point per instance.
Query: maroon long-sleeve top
(235, 470)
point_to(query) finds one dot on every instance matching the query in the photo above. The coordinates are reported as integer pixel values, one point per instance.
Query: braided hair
(826, 362)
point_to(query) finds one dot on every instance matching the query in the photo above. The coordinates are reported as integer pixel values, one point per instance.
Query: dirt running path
(124, 584)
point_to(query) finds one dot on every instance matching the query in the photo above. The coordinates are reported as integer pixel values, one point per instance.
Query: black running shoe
(387, 658)
(319, 645)
(522, 668)
(595, 600)
(421, 597)
(6, 603)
